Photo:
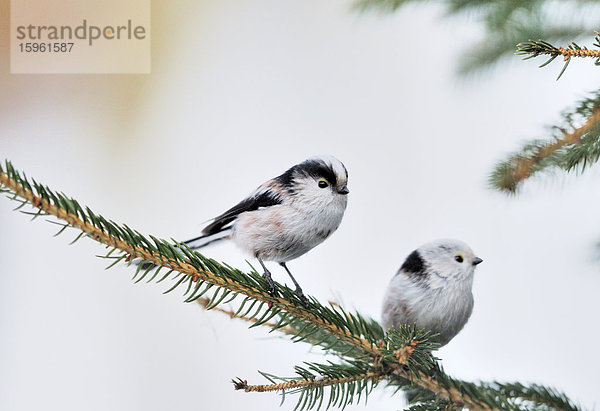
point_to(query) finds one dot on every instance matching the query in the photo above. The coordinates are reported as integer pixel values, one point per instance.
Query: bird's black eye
(459, 258)
(323, 184)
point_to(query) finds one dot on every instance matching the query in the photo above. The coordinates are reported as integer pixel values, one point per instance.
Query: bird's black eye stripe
(318, 169)
(459, 258)
(323, 184)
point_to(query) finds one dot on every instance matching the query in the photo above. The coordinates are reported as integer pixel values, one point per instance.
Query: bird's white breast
(443, 310)
(286, 231)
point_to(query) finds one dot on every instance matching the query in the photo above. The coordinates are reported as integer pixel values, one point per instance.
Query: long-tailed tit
(432, 289)
(286, 216)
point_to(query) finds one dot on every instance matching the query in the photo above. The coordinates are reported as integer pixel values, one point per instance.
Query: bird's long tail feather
(204, 240)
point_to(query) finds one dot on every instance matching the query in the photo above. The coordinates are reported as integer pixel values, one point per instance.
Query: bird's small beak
(344, 190)
(477, 260)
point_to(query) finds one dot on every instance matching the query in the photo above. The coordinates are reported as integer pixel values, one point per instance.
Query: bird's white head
(447, 259)
(319, 181)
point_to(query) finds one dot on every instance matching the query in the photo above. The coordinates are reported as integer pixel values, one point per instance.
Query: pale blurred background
(240, 91)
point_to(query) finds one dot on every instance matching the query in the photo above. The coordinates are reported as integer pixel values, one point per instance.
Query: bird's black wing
(259, 199)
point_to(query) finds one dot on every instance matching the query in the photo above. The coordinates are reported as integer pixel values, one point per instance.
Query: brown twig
(523, 166)
(243, 385)
(582, 52)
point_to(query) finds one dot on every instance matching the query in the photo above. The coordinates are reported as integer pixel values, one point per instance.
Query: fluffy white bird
(286, 216)
(432, 289)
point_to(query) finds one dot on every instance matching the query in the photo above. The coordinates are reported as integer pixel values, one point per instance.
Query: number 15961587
(46, 47)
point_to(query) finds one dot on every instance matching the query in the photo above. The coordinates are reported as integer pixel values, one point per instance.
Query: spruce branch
(366, 355)
(300, 383)
(315, 376)
(575, 146)
(345, 382)
(533, 49)
(536, 394)
(506, 23)
(200, 273)
(196, 268)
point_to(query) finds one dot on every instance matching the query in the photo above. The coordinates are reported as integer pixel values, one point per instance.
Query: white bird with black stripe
(286, 216)
(432, 290)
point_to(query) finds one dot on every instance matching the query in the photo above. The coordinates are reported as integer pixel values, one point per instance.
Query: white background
(239, 92)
